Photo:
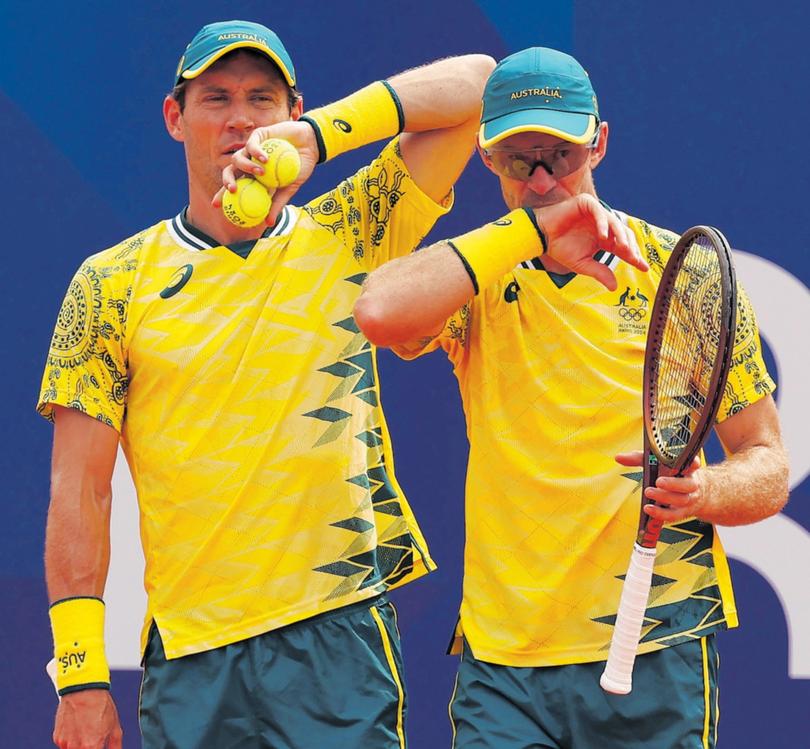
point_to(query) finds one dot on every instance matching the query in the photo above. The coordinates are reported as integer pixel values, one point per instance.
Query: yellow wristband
(366, 116)
(78, 637)
(493, 250)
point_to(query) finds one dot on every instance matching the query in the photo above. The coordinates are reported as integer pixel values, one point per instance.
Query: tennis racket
(686, 364)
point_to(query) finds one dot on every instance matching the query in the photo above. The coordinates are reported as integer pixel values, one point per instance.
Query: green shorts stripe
(673, 704)
(333, 680)
(395, 671)
(711, 704)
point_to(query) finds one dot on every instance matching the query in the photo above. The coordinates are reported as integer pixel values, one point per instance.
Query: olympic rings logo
(635, 314)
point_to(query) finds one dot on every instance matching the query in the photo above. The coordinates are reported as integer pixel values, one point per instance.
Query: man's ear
(298, 108)
(598, 153)
(173, 118)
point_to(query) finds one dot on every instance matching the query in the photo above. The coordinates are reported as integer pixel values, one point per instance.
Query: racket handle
(617, 677)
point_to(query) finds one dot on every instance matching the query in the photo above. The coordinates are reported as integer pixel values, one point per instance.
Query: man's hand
(676, 497)
(577, 228)
(299, 134)
(87, 720)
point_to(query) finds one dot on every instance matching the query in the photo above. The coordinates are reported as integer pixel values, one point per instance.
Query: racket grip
(617, 677)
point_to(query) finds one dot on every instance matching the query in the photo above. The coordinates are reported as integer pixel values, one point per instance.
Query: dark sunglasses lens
(568, 160)
(521, 165)
(513, 165)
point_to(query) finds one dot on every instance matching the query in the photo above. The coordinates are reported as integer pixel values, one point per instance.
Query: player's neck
(211, 221)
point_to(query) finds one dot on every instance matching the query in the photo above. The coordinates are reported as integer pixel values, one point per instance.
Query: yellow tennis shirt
(550, 372)
(248, 406)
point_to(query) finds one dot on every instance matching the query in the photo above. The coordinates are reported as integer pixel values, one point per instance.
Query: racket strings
(690, 337)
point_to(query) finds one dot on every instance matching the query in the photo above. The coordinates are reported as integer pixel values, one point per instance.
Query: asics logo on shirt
(177, 281)
(511, 292)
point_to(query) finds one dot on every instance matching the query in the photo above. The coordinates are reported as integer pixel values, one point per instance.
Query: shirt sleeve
(86, 368)
(380, 212)
(748, 379)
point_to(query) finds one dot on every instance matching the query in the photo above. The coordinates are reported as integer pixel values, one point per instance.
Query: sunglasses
(558, 161)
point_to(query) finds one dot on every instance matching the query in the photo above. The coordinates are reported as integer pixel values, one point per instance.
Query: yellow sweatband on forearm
(366, 116)
(78, 637)
(493, 250)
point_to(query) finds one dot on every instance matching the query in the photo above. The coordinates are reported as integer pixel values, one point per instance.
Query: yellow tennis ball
(249, 205)
(282, 165)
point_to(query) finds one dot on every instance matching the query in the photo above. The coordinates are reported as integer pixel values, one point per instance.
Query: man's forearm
(77, 538)
(442, 94)
(412, 296)
(77, 543)
(77, 554)
(748, 486)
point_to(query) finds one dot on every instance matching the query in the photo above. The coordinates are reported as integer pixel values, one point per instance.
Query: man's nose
(541, 181)
(241, 119)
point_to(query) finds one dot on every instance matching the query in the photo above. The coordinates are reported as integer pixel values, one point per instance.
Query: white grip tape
(618, 674)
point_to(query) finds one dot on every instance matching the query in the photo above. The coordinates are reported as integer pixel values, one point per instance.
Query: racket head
(689, 346)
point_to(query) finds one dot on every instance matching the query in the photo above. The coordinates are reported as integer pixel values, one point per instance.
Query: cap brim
(200, 66)
(570, 126)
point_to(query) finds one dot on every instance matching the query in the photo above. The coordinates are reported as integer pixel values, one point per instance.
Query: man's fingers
(601, 273)
(632, 459)
(679, 484)
(693, 466)
(601, 219)
(241, 160)
(216, 201)
(666, 514)
(618, 234)
(229, 178)
(622, 244)
(611, 231)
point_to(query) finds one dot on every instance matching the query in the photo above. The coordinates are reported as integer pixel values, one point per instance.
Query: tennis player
(227, 363)
(549, 363)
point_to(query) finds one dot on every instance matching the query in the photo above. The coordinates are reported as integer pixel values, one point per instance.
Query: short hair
(178, 93)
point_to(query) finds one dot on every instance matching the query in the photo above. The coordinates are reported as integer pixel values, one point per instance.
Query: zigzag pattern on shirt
(699, 613)
(391, 558)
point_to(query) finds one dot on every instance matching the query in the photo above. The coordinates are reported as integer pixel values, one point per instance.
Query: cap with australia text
(539, 90)
(217, 39)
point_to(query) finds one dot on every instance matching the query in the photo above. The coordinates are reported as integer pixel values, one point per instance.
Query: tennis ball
(282, 165)
(249, 205)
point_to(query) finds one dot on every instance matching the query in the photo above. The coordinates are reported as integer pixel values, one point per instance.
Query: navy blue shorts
(673, 704)
(334, 680)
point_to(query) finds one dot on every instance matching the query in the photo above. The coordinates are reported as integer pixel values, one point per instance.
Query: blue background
(708, 125)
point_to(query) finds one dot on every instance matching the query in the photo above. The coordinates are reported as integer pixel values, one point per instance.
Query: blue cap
(217, 39)
(539, 90)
